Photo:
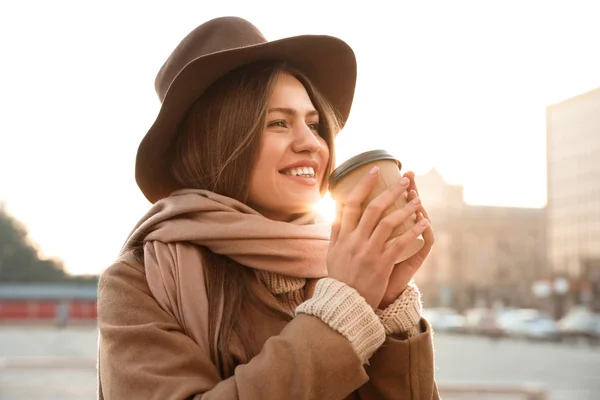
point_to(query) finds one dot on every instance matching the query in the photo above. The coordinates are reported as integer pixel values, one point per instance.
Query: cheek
(260, 189)
(260, 177)
(264, 162)
(324, 153)
(264, 172)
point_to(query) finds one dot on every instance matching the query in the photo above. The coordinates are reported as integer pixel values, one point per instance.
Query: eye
(314, 126)
(278, 124)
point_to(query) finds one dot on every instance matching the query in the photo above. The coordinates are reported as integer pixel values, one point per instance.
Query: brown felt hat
(212, 50)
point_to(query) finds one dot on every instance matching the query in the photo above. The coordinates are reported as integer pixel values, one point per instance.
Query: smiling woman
(230, 286)
(287, 179)
(288, 138)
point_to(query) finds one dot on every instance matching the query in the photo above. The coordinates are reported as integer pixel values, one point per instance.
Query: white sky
(457, 85)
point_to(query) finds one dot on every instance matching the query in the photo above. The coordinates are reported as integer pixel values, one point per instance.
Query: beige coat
(144, 353)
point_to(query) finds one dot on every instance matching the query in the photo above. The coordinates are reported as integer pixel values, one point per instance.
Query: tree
(20, 261)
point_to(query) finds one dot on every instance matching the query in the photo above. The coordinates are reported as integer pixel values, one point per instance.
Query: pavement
(48, 363)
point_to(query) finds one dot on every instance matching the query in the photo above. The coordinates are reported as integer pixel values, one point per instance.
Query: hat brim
(328, 62)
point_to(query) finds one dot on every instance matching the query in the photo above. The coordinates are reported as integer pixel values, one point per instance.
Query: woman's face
(287, 177)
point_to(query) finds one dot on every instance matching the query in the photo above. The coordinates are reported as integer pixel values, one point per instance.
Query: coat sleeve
(143, 353)
(402, 369)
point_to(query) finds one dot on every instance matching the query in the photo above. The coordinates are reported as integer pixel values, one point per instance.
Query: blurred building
(48, 303)
(483, 255)
(573, 210)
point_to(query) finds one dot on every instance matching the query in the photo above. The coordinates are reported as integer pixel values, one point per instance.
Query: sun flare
(326, 208)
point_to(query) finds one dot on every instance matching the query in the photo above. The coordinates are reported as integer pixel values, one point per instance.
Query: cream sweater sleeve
(347, 312)
(404, 314)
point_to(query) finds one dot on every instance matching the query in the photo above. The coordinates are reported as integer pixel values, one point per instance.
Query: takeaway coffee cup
(345, 177)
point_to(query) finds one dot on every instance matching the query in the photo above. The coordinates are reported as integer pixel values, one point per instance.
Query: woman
(230, 287)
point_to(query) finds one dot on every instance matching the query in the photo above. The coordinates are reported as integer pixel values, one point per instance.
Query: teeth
(301, 171)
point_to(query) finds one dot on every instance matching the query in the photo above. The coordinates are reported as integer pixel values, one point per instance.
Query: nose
(306, 141)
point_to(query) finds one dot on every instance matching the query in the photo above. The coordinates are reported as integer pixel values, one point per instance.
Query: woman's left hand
(404, 271)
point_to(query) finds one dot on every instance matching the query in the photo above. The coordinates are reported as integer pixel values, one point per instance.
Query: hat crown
(216, 35)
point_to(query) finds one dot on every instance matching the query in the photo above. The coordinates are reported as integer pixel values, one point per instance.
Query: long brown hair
(216, 149)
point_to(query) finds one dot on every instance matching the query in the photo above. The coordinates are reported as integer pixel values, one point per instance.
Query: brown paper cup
(345, 177)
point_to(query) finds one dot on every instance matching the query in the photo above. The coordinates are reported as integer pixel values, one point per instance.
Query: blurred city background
(512, 287)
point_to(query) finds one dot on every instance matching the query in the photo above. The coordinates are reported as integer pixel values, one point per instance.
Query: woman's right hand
(357, 253)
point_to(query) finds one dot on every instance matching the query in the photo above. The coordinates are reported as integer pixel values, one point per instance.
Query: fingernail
(403, 181)
(416, 200)
(423, 222)
(374, 170)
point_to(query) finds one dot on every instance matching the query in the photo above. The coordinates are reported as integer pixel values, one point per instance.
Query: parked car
(481, 321)
(444, 319)
(529, 324)
(580, 323)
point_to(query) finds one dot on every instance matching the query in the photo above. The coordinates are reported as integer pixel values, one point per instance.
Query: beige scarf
(231, 228)
(174, 226)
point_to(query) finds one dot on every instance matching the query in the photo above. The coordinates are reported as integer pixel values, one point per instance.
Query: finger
(423, 211)
(353, 207)
(429, 239)
(406, 239)
(376, 207)
(382, 232)
(411, 194)
(413, 185)
(335, 227)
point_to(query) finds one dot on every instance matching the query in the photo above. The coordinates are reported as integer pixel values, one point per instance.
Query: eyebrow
(291, 111)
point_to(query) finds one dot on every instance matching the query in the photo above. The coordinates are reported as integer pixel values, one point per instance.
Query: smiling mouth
(306, 172)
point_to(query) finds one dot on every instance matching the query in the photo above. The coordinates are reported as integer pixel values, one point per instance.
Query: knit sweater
(346, 311)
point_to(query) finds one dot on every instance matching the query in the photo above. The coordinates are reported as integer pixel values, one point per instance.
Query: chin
(311, 201)
(302, 208)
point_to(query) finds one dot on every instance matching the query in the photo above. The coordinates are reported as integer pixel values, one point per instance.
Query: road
(570, 372)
